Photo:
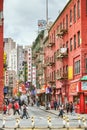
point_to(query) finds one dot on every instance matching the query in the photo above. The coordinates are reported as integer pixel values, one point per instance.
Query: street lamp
(47, 11)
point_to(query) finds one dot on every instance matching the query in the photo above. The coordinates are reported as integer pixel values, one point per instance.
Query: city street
(39, 118)
(43, 65)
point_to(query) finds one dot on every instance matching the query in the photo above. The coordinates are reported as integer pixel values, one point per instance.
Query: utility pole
(47, 11)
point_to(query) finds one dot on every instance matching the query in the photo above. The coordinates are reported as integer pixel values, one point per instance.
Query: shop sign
(84, 85)
(70, 72)
(73, 88)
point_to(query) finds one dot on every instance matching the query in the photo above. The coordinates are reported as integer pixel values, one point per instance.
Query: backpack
(24, 109)
(16, 105)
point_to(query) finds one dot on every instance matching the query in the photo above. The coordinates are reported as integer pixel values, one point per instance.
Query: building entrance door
(86, 104)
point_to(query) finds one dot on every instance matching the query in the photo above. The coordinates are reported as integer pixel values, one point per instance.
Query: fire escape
(50, 63)
(61, 54)
(61, 57)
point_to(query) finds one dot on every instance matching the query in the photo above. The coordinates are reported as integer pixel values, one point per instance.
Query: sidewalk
(73, 116)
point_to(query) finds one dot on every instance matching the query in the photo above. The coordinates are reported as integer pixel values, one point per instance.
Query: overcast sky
(21, 18)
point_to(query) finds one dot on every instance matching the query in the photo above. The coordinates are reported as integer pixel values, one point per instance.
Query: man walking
(25, 114)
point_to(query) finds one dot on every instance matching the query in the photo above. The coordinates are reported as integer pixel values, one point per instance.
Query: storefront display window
(76, 99)
(84, 85)
(86, 100)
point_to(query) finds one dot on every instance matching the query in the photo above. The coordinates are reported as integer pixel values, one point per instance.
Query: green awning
(84, 78)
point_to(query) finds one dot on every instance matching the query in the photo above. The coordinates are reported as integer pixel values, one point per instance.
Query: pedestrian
(67, 107)
(71, 107)
(25, 114)
(61, 111)
(55, 104)
(4, 108)
(48, 106)
(16, 108)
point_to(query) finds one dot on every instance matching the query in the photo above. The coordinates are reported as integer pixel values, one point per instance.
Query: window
(86, 7)
(63, 23)
(71, 44)
(54, 75)
(63, 45)
(79, 38)
(58, 73)
(78, 8)
(1, 14)
(66, 68)
(66, 21)
(70, 17)
(67, 44)
(74, 41)
(86, 100)
(74, 13)
(49, 38)
(54, 37)
(58, 29)
(86, 64)
(77, 67)
(60, 25)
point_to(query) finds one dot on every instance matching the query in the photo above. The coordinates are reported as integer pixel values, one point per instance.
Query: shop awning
(84, 78)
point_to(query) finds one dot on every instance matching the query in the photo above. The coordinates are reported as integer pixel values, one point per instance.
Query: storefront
(74, 96)
(59, 96)
(41, 96)
(83, 95)
(78, 95)
(64, 92)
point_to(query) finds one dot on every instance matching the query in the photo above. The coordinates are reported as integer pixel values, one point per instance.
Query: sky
(21, 18)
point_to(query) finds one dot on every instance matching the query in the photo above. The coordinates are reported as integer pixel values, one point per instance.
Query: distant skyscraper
(13, 60)
(9, 45)
(11, 72)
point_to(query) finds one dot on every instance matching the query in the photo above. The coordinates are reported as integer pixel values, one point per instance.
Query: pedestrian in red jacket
(4, 108)
(16, 108)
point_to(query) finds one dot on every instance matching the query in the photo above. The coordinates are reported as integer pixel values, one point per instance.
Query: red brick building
(66, 55)
(1, 54)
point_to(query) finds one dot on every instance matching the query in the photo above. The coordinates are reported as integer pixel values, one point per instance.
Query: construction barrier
(81, 124)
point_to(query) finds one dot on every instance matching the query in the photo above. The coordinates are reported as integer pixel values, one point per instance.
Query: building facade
(20, 60)
(1, 55)
(9, 45)
(67, 57)
(10, 74)
(13, 60)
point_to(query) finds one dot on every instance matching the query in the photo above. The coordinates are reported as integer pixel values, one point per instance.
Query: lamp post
(47, 11)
